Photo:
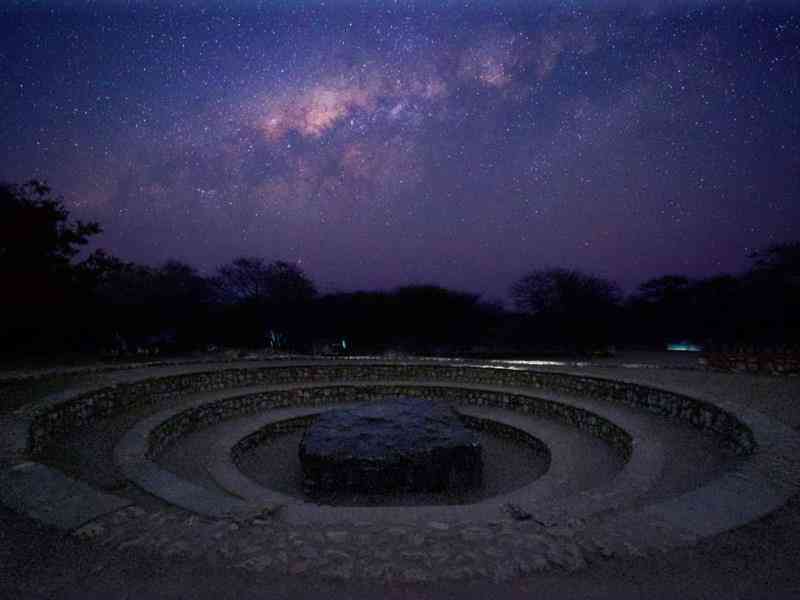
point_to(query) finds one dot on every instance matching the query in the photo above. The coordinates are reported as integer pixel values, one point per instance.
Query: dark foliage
(420, 319)
(39, 280)
(773, 285)
(264, 303)
(167, 307)
(664, 308)
(36, 236)
(757, 308)
(568, 308)
(52, 303)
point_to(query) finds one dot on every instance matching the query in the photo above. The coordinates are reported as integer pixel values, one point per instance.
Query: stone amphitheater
(178, 480)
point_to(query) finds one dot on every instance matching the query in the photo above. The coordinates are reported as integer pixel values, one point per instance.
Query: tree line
(54, 302)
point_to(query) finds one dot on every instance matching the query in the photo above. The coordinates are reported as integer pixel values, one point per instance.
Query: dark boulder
(399, 445)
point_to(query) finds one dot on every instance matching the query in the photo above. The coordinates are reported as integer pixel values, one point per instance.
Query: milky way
(384, 143)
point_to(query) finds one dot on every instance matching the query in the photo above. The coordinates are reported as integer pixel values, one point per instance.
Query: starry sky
(378, 143)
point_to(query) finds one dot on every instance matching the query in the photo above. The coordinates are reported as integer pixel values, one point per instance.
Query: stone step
(49, 496)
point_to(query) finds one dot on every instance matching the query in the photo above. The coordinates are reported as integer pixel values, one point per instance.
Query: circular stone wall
(512, 459)
(520, 531)
(155, 434)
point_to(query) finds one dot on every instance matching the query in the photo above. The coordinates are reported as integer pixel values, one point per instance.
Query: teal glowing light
(684, 347)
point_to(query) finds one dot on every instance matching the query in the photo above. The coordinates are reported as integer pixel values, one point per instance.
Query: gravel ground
(758, 560)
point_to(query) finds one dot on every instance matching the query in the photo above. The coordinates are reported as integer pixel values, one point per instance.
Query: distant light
(684, 347)
(536, 363)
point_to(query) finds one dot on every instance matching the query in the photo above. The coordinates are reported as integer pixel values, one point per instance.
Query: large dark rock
(399, 445)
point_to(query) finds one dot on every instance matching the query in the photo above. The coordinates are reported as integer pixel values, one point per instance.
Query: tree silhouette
(429, 317)
(142, 303)
(779, 261)
(563, 291)
(667, 289)
(415, 318)
(37, 243)
(772, 289)
(568, 307)
(41, 285)
(664, 309)
(720, 314)
(264, 297)
(252, 280)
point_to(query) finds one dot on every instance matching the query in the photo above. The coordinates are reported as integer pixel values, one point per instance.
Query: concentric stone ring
(561, 520)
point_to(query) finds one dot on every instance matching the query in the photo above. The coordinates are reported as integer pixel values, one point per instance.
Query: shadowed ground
(755, 561)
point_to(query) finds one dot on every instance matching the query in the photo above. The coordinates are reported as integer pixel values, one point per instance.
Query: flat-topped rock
(402, 444)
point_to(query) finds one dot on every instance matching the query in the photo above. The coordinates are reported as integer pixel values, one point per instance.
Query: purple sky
(383, 143)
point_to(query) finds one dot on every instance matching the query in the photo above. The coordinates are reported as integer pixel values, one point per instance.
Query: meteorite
(397, 445)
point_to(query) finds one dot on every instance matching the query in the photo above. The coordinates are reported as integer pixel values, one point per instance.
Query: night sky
(381, 143)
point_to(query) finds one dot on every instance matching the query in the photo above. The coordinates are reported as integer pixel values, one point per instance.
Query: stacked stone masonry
(772, 363)
(499, 429)
(210, 414)
(492, 543)
(54, 420)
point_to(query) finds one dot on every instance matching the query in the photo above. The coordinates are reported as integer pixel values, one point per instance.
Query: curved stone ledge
(763, 481)
(268, 431)
(631, 482)
(135, 452)
(64, 414)
(476, 423)
(206, 414)
(226, 457)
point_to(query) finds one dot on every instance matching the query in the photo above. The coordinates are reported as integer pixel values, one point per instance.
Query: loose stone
(338, 537)
(416, 575)
(256, 563)
(419, 557)
(298, 567)
(90, 531)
